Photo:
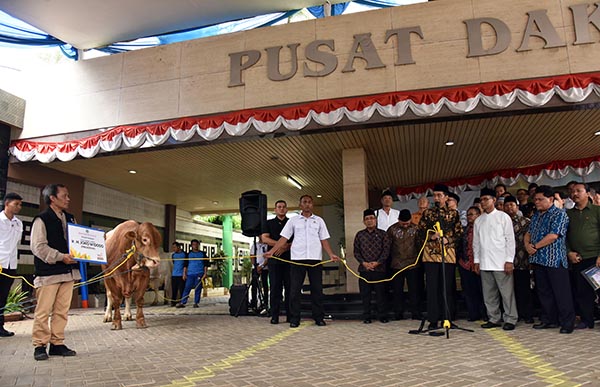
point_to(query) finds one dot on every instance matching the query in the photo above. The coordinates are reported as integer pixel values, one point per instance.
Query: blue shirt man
(545, 243)
(193, 274)
(177, 282)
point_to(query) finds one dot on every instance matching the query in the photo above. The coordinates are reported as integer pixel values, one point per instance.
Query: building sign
(321, 58)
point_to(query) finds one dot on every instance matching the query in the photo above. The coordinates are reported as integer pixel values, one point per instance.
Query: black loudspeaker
(253, 209)
(238, 300)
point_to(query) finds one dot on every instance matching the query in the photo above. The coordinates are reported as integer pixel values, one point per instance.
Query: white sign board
(86, 244)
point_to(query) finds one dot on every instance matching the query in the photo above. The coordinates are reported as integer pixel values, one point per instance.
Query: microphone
(436, 204)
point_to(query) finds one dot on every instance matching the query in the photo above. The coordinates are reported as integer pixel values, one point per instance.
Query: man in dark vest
(55, 273)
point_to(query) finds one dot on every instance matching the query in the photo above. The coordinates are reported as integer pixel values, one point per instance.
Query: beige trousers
(52, 300)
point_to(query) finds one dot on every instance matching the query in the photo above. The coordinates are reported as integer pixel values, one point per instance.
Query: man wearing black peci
(371, 250)
(437, 274)
(279, 272)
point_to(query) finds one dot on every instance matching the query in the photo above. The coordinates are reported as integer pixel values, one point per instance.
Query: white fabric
(384, 220)
(10, 235)
(259, 250)
(493, 241)
(308, 234)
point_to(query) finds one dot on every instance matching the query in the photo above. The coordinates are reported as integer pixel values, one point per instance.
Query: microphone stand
(448, 324)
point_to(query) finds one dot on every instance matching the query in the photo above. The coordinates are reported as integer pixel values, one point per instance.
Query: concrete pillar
(4, 143)
(170, 226)
(356, 199)
(228, 250)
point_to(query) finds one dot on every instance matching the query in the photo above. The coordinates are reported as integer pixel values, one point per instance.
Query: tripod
(448, 324)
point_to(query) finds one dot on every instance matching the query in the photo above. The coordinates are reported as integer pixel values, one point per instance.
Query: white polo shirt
(10, 235)
(384, 221)
(308, 234)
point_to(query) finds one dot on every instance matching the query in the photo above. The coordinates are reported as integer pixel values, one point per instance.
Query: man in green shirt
(583, 249)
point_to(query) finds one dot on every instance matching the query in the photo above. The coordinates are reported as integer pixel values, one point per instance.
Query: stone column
(356, 200)
(228, 250)
(170, 224)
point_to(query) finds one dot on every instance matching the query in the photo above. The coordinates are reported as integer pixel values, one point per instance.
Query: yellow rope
(132, 250)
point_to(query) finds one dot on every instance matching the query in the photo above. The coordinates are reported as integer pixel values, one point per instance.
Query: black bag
(238, 300)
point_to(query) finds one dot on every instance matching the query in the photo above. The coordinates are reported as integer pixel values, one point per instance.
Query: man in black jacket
(55, 273)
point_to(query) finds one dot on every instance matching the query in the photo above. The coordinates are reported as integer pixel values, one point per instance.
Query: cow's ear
(131, 235)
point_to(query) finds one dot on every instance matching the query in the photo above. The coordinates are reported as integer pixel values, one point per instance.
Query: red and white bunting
(494, 95)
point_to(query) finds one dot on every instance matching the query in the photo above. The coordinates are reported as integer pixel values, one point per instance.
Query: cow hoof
(141, 326)
(128, 318)
(107, 319)
(116, 327)
(154, 303)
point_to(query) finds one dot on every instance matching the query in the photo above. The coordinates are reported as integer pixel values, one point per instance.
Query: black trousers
(554, 291)
(367, 288)
(473, 294)
(315, 277)
(435, 289)
(177, 286)
(523, 293)
(414, 282)
(5, 284)
(584, 294)
(264, 283)
(279, 277)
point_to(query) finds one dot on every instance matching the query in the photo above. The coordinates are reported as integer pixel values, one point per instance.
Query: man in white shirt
(310, 237)
(386, 215)
(11, 229)
(494, 253)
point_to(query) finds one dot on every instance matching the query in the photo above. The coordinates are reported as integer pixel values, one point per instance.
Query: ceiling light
(132, 171)
(319, 195)
(597, 133)
(449, 143)
(293, 182)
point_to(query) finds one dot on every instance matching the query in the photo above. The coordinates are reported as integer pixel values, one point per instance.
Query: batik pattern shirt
(521, 226)
(553, 221)
(453, 232)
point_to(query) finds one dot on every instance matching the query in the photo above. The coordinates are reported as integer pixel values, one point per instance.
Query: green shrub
(16, 297)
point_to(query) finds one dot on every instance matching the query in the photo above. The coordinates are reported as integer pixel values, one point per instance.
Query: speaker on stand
(253, 210)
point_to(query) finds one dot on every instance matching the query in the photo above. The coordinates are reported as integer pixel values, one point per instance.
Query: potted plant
(13, 310)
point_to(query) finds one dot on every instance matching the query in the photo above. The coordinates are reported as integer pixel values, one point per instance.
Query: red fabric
(506, 173)
(454, 94)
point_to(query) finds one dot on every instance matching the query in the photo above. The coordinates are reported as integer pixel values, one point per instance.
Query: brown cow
(131, 278)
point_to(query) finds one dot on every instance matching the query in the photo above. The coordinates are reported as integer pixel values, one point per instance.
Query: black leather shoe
(320, 323)
(489, 325)
(5, 333)
(508, 326)
(367, 321)
(566, 330)
(529, 321)
(39, 353)
(60, 350)
(274, 320)
(544, 326)
(384, 320)
(294, 325)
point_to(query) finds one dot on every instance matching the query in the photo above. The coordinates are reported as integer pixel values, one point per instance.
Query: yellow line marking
(541, 368)
(228, 362)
